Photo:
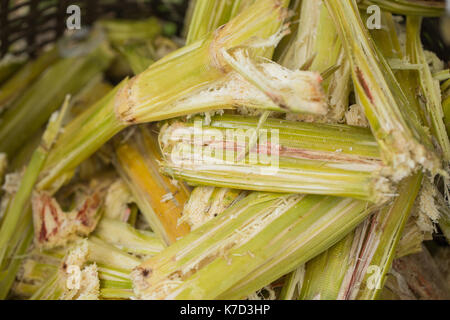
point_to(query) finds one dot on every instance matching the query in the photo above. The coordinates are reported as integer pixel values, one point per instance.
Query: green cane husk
(404, 143)
(309, 158)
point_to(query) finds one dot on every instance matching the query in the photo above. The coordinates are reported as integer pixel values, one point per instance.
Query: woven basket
(27, 25)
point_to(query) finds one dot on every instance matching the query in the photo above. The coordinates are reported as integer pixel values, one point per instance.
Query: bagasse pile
(103, 198)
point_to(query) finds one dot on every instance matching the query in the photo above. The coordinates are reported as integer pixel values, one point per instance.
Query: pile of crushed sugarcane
(277, 150)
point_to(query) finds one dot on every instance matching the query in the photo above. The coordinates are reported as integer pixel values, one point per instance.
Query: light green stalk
(291, 157)
(33, 108)
(446, 105)
(127, 238)
(429, 86)
(16, 85)
(404, 143)
(153, 95)
(208, 15)
(266, 233)
(21, 198)
(14, 236)
(408, 7)
(381, 244)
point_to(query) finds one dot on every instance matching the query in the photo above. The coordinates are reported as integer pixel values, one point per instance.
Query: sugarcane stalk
(354, 258)
(18, 247)
(317, 47)
(446, 110)
(205, 203)
(411, 240)
(80, 139)
(442, 75)
(110, 292)
(422, 276)
(63, 285)
(408, 7)
(127, 238)
(159, 199)
(95, 90)
(404, 143)
(258, 231)
(358, 265)
(15, 237)
(430, 89)
(381, 243)
(325, 274)
(42, 271)
(293, 157)
(8, 67)
(120, 31)
(21, 198)
(138, 56)
(292, 284)
(16, 85)
(209, 15)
